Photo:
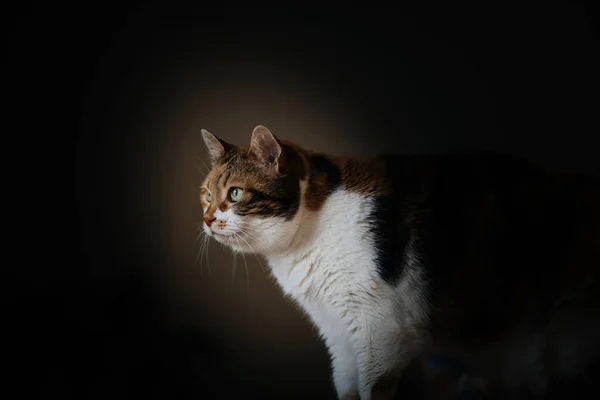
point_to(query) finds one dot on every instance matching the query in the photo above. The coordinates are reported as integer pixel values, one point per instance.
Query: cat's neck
(334, 193)
(335, 227)
(301, 231)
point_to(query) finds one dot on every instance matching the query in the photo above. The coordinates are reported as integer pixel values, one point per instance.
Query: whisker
(205, 165)
(203, 254)
(200, 251)
(200, 236)
(206, 252)
(251, 236)
(234, 266)
(247, 224)
(244, 228)
(201, 248)
(199, 170)
(236, 236)
(246, 231)
(208, 242)
(251, 248)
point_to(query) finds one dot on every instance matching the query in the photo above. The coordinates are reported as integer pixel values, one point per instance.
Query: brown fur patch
(293, 160)
(365, 176)
(318, 190)
(326, 173)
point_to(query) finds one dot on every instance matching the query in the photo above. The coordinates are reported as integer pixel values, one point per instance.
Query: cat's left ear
(266, 147)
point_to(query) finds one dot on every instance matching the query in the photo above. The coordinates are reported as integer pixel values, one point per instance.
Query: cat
(396, 257)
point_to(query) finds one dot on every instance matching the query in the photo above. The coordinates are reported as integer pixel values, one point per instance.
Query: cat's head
(252, 194)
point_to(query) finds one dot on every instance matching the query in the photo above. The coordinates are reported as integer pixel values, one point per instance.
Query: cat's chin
(234, 242)
(229, 240)
(225, 239)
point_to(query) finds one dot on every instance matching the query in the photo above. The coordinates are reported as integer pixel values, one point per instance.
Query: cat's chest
(336, 265)
(326, 278)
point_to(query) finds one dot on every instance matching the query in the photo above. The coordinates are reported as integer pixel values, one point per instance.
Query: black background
(519, 78)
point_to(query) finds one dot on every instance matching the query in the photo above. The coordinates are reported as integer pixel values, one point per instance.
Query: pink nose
(209, 220)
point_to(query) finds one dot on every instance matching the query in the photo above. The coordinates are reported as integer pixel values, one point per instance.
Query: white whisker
(236, 236)
(245, 226)
(203, 237)
(234, 266)
(201, 253)
(251, 236)
(200, 249)
(206, 252)
(251, 248)
(205, 166)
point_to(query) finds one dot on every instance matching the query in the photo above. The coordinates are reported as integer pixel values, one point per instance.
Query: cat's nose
(209, 220)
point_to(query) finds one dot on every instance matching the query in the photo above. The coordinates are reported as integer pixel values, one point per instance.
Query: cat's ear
(266, 147)
(216, 147)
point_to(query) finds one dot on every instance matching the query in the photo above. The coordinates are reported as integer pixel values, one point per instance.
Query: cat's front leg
(343, 365)
(382, 353)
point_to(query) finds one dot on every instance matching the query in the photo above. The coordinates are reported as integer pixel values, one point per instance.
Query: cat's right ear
(216, 147)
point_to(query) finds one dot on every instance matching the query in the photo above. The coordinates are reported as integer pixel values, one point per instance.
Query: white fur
(325, 261)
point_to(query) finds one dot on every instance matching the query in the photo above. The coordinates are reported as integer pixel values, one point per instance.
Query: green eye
(208, 196)
(235, 194)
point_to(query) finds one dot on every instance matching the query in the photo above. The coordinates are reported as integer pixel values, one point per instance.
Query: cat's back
(495, 192)
(495, 218)
(470, 203)
(512, 255)
(494, 230)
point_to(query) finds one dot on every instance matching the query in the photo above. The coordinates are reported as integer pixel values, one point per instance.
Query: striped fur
(396, 256)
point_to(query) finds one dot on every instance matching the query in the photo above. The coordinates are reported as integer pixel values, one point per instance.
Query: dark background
(135, 316)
